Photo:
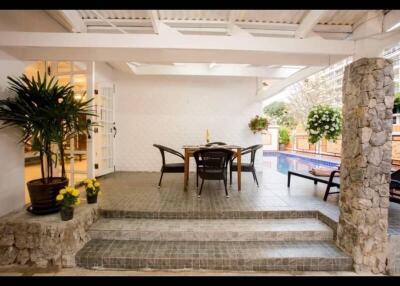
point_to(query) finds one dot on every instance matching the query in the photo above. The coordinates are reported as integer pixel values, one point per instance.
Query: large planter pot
(67, 213)
(282, 147)
(91, 199)
(43, 196)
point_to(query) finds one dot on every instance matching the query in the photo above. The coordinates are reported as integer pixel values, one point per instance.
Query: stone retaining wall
(44, 241)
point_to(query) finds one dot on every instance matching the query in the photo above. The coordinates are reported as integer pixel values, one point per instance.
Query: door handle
(87, 128)
(115, 129)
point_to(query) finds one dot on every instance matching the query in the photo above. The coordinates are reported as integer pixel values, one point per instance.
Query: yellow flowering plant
(92, 187)
(68, 197)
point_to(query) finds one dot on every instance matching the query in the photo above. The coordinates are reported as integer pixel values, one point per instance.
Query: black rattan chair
(199, 163)
(172, 167)
(212, 165)
(246, 167)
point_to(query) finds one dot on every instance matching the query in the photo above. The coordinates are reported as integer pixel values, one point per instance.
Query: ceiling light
(395, 26)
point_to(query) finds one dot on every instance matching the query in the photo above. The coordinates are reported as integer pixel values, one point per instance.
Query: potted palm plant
(48, 115)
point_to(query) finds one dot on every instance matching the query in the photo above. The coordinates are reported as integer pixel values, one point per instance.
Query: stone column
(366, 162)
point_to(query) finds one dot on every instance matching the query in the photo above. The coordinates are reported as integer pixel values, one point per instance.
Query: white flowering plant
(324, 121)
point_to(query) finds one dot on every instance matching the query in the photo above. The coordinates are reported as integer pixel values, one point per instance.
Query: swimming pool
(284, 162)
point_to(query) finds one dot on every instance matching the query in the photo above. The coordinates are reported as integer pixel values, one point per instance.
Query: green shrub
(284, 137)
(258, 124)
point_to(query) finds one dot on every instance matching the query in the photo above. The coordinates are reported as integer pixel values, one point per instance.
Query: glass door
(73, 73)
(106, 130)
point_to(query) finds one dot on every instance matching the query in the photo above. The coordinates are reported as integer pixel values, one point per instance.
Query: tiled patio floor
(138, 192)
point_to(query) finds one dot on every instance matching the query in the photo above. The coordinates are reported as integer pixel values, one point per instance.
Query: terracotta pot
(67, 213)
(43, 196)
(91, 199)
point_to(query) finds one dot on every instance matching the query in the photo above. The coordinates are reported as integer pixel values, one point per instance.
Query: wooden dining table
(190, 149)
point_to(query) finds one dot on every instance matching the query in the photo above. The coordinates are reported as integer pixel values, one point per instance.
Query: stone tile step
(211, 229)
(209, 214)
(236, 256)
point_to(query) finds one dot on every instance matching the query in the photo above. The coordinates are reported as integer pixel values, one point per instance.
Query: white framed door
(106, 130)
(76, 155)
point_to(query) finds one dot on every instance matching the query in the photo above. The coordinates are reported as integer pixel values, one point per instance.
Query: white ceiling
(276, 45)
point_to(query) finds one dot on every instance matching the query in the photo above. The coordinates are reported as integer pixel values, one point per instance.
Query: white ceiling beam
(163, 56)
(109, 22)
(367, 26)
(155, 20)
(294, 27)
(221, 24)
(270, 32)
(173, 47)
(201, 30)
(308, 23)
(74, 20)
(391, 21)
(281, 85)
(121, 66)
(214, 70)
(127, 29)
(231, 22)
(312, 46)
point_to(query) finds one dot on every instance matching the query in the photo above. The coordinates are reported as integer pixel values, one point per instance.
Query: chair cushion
(246, 167)
(174, 168)
(210, 174)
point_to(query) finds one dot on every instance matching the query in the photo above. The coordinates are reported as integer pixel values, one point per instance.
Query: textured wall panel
(175, 111)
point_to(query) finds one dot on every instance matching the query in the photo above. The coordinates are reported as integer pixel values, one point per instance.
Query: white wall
(176, 110)
(103, 72)
(273, 132)
(11, 153)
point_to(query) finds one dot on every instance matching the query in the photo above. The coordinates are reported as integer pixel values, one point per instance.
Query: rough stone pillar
(366, 162)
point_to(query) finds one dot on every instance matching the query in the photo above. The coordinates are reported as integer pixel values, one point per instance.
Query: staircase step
(211, 229)
(213, 255)
(193, 213)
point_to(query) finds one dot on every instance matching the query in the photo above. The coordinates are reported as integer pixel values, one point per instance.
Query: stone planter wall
(366, 163)
(44, 241)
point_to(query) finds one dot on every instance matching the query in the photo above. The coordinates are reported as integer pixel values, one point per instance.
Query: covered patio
(181, 79)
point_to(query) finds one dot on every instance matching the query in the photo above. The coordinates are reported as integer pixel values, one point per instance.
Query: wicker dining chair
(213, 166)
(171, 167)
(246, 167)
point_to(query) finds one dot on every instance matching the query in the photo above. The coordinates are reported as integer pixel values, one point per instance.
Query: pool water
(284, 162)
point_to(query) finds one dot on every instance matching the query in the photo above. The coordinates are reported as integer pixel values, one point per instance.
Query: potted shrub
(324, 122)
(258, 124)
(284, 137)
(92, 190)
(68, 198)
(48, 116)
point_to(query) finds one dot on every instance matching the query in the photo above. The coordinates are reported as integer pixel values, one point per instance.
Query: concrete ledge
(44, 241)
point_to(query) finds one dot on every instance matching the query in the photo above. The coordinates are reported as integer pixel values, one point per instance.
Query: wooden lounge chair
(331, 181)
(394, 193)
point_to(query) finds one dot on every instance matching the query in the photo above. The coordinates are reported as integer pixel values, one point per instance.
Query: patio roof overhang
(259, 44)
